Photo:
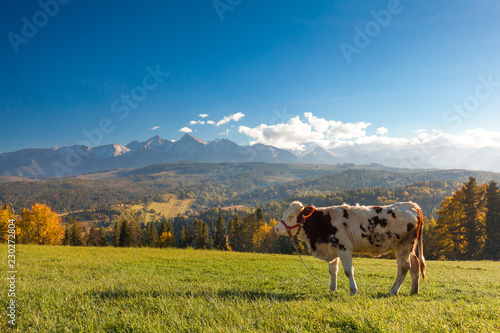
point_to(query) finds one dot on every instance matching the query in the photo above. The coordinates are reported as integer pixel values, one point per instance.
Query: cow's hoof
(332, 291)
(353, 292)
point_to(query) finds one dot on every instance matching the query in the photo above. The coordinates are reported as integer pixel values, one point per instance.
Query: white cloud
(295, 134)
(185, 130)
(203, 115)
(155, 128)
(210, 122)
(194, 122)
(382, 131)
(234, 117)
(226, 132)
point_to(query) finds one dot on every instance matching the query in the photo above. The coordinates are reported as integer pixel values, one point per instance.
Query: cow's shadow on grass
(223, 294)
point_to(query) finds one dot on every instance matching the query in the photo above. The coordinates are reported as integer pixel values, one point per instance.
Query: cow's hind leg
(334, 267)
(415, 273)
(346, 259)
(403, 260)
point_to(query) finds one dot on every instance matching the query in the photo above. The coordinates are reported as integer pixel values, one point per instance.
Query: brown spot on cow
(377, 209)
(409, 226)
(391, 212)
(346, 214)
(319, 229)
(345, 224)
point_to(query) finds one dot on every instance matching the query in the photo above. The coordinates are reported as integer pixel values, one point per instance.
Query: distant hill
(219, 184)
(76, 160)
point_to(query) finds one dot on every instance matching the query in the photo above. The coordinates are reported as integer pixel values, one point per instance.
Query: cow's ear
(307, 211)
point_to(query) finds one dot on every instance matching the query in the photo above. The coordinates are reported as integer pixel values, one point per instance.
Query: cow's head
(291, 217)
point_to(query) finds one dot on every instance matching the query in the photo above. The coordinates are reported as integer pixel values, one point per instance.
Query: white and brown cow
(337, 232)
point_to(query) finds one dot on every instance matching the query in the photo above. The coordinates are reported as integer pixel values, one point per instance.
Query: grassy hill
(171, 290)
(169, 206)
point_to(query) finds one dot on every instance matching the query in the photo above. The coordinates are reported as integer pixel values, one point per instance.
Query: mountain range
(78, 159)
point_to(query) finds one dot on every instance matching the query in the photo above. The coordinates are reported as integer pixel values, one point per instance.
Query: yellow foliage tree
(166, 239)
(264, 239)
(40, 225)
(6, 214)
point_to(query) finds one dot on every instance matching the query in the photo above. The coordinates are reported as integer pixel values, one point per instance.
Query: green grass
(68, 289)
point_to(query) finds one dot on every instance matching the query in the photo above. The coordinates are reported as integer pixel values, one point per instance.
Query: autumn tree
(163, 227)
(41, 225)
(166, 239)
(450, 229)
(6, 214)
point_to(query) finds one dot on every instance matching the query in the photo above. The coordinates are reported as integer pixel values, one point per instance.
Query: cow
(337, 232)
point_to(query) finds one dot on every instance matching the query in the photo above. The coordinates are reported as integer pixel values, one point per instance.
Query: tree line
(466, 227)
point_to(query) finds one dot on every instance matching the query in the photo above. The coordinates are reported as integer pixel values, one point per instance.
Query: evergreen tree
(235, 231)
(259, 217)
(116, 234)
(230, 230)
(212, 234)
(103, 241)
(76, 234)
(125, 234)
(170, 226)
(186, 236)
(163, 227)
(472, 202)
(93, 237)
(492, 246)
(152, 235)
(67, 235)
(136, 232)
(221, 239)
(201, 237)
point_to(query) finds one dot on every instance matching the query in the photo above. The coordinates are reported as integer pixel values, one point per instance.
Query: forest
(462, 222)
(219, 184)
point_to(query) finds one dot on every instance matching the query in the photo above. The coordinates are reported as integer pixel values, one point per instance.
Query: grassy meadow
(69, 289)
(170, 207)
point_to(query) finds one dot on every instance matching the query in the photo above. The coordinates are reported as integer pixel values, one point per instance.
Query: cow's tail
(419, 241)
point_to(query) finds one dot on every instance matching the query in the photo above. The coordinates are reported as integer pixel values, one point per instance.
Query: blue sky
(415, 64)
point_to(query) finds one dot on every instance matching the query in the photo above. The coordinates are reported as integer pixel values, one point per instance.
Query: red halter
(298, 225)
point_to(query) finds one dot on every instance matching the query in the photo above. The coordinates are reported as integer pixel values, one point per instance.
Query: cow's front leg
(334, 267)
(346, 259)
